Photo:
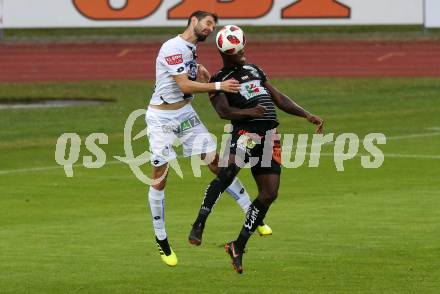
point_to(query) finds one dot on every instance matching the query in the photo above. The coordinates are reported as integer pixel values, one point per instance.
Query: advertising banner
(432, 13)
(118, 13)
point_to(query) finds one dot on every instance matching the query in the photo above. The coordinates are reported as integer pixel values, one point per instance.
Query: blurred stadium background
(364, 66)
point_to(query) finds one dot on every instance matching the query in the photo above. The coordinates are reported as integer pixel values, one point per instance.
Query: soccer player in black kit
(254, 120)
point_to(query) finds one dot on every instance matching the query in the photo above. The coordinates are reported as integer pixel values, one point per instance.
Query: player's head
(238, 58)
(231, 41)
(203, 23)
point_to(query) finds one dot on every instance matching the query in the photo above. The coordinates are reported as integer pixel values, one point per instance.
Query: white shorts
(165, 126)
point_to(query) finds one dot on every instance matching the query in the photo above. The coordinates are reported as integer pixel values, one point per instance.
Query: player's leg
(160, 146)
(236, 189)
(197, 140)
(238, 193)
(224, 179)
(156, 200)
(268, 185)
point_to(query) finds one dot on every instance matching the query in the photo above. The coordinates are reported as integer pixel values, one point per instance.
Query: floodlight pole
(1, 21)
(425, 31)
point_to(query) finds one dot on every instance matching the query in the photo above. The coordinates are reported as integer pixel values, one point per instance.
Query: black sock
(164, 245)
(255, 215)
(212, 194)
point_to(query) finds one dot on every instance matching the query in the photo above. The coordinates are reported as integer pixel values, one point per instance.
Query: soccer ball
(230, 39)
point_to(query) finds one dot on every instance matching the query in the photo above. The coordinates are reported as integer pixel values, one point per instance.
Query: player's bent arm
(189, 87)
(225, 111)
(286, 104)
(203, 75)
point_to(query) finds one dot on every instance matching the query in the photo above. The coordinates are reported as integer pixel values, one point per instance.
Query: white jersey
(176, 56)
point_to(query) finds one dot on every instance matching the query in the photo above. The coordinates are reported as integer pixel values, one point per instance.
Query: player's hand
(316, 120)
(257, 111)
(203, 74)
(231, 86)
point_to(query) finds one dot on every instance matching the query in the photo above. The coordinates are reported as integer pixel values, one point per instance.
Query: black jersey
(252, 92)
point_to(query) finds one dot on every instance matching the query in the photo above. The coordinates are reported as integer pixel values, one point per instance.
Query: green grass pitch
(357, 231)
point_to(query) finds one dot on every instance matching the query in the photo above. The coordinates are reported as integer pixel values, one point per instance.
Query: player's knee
(159, 186)
(268, 197)
(160, 176)
(213, 166)
(210, 158)
(226, 175)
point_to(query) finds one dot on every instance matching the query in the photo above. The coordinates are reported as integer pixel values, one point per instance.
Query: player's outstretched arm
(225, 111)
(189, 87)
(286, 104)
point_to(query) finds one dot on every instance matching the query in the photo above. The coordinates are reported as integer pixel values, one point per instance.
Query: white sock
(238, 192)
(156, 199)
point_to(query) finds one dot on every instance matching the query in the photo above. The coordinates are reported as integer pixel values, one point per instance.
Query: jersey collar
(193, 46)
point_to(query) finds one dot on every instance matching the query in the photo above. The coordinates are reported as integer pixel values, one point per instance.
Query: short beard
(201, 38)
(199, 35)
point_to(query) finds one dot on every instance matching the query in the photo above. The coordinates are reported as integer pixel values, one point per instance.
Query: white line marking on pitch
(413, 136)
(420, 156)
(112, 162)
(395, 155)
(402, 137)
(46, 168)
(389, 55)
(124, 52)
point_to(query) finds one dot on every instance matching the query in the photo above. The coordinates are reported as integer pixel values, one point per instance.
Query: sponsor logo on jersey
(174, 59)
(252, 89)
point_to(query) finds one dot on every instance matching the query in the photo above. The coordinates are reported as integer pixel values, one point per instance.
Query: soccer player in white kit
(170, 116)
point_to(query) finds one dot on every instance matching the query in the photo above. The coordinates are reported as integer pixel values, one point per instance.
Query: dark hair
(201, 15)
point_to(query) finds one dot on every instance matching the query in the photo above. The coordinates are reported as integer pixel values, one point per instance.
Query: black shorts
(260, 148)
